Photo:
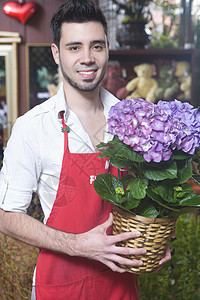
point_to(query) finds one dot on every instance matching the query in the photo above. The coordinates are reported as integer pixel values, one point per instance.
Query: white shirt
(33, 157)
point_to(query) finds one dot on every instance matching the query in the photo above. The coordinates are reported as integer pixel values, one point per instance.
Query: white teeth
(86, 73)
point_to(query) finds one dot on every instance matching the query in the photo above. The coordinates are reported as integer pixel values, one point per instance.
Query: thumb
(108, 222)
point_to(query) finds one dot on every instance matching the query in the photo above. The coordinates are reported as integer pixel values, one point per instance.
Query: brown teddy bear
(114, 81)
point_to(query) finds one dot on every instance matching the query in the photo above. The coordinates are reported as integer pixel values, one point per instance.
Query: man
(78, 253)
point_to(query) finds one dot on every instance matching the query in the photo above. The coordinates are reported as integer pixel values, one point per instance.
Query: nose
(86, 57)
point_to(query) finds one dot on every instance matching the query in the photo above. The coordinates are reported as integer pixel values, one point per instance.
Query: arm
(131, 85)
(94, 244)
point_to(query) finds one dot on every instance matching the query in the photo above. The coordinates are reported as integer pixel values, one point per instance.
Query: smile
(86, 72)
(90, 74)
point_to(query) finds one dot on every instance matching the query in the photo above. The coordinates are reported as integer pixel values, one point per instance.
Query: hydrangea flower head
(186, 120)
(155, 130)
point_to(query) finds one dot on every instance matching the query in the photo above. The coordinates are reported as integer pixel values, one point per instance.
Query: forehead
(82, 32)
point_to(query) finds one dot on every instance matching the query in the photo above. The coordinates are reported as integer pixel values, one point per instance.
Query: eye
(74, 48)
(98, 47)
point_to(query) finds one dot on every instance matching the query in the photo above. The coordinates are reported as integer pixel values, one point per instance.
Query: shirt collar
(107, 99)
(61, 104)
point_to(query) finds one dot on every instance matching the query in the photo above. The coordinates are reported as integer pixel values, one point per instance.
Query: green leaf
(161, 171)
(160, 201)
(187, 196)
(138, 187)
(118, 149)
(179, 155)
(126, 151)
(105, 185)
(110, 152)
(147, 209)
(104, 145)
(162, 189)
(119, 162)
(184, 171)
(130, 202)
(126, 179)
(190, 200)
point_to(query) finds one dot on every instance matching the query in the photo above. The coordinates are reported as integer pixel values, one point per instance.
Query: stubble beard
(87, 86)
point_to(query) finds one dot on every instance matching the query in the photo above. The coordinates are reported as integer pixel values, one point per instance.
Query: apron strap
(65, 130)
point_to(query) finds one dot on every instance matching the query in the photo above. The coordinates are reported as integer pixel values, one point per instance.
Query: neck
(82, 103)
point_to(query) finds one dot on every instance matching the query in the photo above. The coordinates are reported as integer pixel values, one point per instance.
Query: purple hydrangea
(155, 130)
(186, 124)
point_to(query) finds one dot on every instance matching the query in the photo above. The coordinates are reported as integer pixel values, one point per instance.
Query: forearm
(94, 244)
(30, 231)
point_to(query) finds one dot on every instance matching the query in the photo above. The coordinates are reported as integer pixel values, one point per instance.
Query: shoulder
(35, 115)
(39, 110)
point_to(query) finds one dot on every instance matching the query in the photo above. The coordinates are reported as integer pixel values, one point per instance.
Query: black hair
(75, 11)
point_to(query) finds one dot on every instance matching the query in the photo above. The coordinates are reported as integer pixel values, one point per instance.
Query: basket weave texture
(154, 238)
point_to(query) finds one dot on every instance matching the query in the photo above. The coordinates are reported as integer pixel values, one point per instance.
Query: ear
(55, 53)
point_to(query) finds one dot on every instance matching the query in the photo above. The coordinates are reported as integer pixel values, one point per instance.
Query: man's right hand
(96, 244)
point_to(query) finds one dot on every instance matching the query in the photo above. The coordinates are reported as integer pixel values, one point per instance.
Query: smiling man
(79, 258)
(81, 56)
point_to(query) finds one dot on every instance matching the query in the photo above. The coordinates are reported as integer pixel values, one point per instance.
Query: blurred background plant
(17, 262)
(164, 24)
(3, 114)
(133, 10)
(44, 77)
(179, 278)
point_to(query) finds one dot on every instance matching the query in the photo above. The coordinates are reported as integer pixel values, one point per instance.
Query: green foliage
(169, 37)
(179, 278)
(161, 41)
(151, 189)
(133, 10)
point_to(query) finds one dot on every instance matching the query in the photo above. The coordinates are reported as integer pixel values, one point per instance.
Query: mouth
(87, 74)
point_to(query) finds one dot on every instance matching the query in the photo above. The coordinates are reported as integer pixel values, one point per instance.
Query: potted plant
(132, 32)
(154, 146)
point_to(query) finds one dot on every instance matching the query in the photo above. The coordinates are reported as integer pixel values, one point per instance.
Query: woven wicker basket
(154, 238)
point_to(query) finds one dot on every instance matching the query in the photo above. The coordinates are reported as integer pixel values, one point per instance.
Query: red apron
(77, 209)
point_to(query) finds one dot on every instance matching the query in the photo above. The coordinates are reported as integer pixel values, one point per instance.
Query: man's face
(83, 55)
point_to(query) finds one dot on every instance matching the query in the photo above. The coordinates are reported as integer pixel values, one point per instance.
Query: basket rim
(143, 219)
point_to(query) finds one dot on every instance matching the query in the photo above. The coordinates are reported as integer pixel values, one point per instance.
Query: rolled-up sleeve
(21, 168)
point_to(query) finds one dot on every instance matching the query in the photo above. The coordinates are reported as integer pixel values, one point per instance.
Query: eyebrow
(80, 43)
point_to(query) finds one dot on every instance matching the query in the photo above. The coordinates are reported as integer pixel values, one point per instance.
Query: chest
(95, 128)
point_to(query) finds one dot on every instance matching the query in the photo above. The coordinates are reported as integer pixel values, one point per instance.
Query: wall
(36, 30)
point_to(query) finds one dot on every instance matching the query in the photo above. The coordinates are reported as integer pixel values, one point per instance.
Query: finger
(173, 234)
(114, 260)
(124, 260)
(125, 236)
(167, 256)
(114, 267)
(129, 251)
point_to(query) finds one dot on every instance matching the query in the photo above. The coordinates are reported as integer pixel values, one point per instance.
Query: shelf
(177, 51)
(129, 58)
(150, 55)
